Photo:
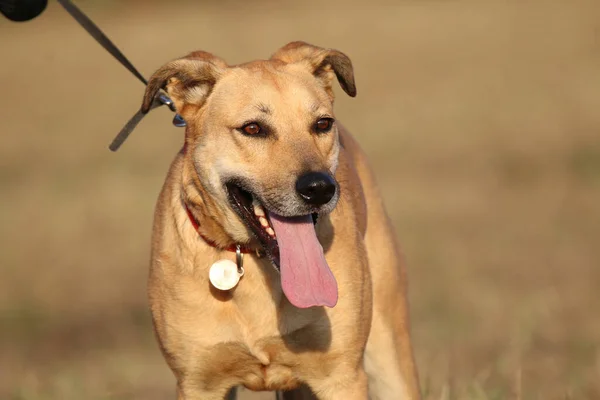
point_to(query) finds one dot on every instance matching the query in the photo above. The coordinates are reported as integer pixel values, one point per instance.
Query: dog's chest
(263, 350)
(255, 311)
(251, 332)
(257, 334)
(258, 310)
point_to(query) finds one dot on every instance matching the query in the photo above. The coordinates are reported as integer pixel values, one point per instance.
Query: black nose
(316, 188)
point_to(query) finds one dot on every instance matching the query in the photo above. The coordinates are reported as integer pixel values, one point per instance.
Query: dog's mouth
(254, 217)
(292, 246)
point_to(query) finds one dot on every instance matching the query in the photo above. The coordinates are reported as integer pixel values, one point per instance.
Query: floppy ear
(188, 80)
(322, 63)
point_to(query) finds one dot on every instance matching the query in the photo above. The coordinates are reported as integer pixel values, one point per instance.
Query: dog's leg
(383, 363)
(187, 391)
(344, 385)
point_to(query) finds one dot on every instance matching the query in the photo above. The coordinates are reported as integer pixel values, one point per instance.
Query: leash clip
(159, 100)
(178, 120)
(166, 100)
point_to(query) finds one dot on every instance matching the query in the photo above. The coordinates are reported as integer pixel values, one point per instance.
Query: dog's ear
(322, 64)
(188, 80)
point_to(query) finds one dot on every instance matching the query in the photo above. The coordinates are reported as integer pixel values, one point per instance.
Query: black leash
(160, 100)
(100, 37)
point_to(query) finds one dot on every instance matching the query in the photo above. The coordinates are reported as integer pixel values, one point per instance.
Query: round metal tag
(224, 274)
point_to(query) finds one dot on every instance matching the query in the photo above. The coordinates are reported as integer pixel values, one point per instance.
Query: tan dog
(320, 305)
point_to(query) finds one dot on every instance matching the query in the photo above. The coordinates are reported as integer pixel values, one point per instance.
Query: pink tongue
(305, 276)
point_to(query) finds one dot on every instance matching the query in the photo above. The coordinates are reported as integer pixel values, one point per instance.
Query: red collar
(196, 226)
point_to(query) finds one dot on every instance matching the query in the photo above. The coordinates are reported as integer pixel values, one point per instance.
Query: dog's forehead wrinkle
(263, 108)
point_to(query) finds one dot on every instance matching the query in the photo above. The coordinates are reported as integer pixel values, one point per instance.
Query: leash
(160, 99)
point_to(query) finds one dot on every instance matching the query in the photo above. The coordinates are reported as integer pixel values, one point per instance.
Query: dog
(270, 184)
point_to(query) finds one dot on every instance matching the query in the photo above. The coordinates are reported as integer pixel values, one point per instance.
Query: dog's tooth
(258, 210)
(263, 222)
(270, 231)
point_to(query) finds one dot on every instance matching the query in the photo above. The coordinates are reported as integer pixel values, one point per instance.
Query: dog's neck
(202, 216)
(196, 225)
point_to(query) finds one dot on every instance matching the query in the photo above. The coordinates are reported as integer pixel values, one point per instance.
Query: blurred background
(482, 122)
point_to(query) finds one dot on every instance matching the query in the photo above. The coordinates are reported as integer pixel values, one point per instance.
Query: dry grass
(481, 119)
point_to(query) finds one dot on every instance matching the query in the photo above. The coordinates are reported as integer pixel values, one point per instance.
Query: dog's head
(261, 136)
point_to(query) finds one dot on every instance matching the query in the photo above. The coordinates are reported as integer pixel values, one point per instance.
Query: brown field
(482, 121)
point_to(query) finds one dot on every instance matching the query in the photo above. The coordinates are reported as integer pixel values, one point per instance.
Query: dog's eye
(324, 125)
(251, 129)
